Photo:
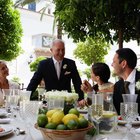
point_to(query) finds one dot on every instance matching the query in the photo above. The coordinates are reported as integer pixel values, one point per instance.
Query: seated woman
(4, 82)
(100, 74)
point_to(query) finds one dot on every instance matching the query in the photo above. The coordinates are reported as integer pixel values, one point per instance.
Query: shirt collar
(54, 60)
(131, 77)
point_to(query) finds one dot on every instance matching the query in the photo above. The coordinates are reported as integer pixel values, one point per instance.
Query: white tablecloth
(36, 134)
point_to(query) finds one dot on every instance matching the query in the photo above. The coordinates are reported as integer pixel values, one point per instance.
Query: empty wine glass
(129, 112)
(12, 99)
(97, 111)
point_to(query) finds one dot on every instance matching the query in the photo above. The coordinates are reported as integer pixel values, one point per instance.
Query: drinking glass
(97, 111)
(109, 119)
(28, 112)
(57, 103)
(12, 100)
(25, 95)
(129, 97)
(129, 112)
(41, 93)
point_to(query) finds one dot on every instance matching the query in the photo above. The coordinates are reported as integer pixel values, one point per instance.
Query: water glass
(25, 95)
(28, 113)
(129, 97)
(57, 103)
(129, 112)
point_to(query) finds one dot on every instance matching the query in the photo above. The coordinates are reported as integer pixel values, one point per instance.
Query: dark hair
(102, 70)
(128, 55)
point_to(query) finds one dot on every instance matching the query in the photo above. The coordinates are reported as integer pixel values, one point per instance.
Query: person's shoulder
(69, 60)
(119, 82)
(45, 60)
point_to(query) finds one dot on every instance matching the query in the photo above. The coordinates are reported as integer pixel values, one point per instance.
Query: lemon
(50, 125)
(61, 127)
(57, 117)
(50, 113)
(83, 123)
(69, 117)
(108, 114)
(72, 124)
(81, 116)
(42, 120)
(74, 111)
(49, 119)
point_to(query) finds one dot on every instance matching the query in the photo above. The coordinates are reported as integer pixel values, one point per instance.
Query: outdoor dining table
(36, 134)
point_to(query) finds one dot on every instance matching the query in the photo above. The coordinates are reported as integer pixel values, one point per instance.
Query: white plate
(8, 130)
(4, 120)
(3, 113)
(121, 122)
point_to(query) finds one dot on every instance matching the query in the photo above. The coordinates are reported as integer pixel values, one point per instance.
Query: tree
(83, 18)
(34, 64)
(92, 50)
(10, 31)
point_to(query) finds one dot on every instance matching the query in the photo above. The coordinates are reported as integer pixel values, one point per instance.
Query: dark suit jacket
(46, 70)
(119, 90)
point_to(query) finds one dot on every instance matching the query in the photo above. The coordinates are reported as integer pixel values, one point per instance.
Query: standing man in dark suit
(124, 63)
(57, 72)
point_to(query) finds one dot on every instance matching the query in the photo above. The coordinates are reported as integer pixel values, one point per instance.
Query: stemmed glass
(12, 99)
(28, 113)
(97, 111)
(129, 112)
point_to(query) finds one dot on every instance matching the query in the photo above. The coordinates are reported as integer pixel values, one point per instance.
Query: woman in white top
(100, 74)
(4, 82)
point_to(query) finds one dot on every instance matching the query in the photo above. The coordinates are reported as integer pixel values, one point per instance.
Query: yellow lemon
(69, 117)
(57, 117)
(81, 116)
(50, 113)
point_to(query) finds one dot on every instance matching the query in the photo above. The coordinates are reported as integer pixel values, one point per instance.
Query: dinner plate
(8, 130)
(3, 113)
(122, 122)
(4, 120)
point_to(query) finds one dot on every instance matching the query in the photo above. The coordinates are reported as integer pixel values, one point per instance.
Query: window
(32, 6)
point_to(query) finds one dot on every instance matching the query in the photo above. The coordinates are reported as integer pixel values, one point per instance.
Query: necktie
(58, 69)
(126, 87)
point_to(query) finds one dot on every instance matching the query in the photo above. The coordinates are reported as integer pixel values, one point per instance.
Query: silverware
(19, 131)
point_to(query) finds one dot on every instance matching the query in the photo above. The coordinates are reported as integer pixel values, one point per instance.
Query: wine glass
(129, 112)
(97, 111)
(28, 112)
(12, 100)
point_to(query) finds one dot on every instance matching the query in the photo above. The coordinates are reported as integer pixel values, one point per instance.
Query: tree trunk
(120, 40)
(59, 31)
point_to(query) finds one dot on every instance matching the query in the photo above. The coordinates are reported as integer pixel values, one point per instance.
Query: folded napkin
(4, 120)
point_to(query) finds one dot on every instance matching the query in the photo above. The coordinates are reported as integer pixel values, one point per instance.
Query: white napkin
(4, 120)
(3, 112)
(137, 130)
